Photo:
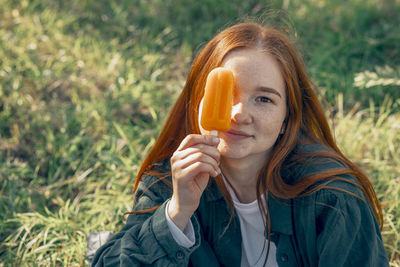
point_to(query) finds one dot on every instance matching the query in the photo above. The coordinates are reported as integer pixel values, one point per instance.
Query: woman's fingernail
(216, 140)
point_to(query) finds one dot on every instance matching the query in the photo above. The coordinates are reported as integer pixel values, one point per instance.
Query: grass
(375, 146)
(85, 87)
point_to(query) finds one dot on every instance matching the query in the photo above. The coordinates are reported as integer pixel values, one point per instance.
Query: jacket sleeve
(145, 240)
(348, 233)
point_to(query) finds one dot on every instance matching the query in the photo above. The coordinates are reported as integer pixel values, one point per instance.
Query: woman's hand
(192, 164)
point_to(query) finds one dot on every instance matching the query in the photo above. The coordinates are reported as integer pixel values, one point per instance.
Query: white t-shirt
(254, 243)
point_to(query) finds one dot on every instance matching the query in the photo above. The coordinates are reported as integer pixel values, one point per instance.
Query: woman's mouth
(236, 135)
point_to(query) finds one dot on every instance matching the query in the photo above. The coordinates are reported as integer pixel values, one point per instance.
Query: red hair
(306, 115)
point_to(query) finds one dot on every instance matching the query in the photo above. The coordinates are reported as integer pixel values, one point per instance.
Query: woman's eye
(263, 99)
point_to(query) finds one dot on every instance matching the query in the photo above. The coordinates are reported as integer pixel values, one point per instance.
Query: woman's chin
(230, 152)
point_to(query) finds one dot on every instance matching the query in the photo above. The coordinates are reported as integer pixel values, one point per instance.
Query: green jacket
(328, 228)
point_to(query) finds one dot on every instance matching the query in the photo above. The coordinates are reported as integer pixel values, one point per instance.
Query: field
(85, 87)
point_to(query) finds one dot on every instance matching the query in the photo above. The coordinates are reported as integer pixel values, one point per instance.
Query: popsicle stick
(214, 133)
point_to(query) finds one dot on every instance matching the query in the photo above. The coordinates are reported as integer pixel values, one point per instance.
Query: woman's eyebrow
(268, 90)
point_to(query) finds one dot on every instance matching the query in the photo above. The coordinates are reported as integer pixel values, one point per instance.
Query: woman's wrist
(177, 215)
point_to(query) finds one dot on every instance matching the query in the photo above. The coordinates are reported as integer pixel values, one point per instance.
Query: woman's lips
(236, 135)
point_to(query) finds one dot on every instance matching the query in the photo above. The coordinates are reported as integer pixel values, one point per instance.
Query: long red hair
(305, 114)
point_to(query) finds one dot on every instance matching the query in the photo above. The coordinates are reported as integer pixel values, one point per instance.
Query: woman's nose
(240, 113)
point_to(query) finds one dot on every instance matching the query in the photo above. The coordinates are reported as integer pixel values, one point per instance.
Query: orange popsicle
(217, 103)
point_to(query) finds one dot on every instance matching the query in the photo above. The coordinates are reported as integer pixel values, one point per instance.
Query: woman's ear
(283, 128)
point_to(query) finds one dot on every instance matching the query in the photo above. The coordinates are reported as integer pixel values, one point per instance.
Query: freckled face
(259, 107)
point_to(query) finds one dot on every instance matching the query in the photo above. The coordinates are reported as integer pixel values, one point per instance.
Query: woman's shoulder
(309, 160)
(156, 179)
(160, 169)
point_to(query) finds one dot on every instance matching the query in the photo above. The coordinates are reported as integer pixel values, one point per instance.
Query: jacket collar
(280, 211)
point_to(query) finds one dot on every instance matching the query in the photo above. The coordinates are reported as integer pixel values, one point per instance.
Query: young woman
(274, 190)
